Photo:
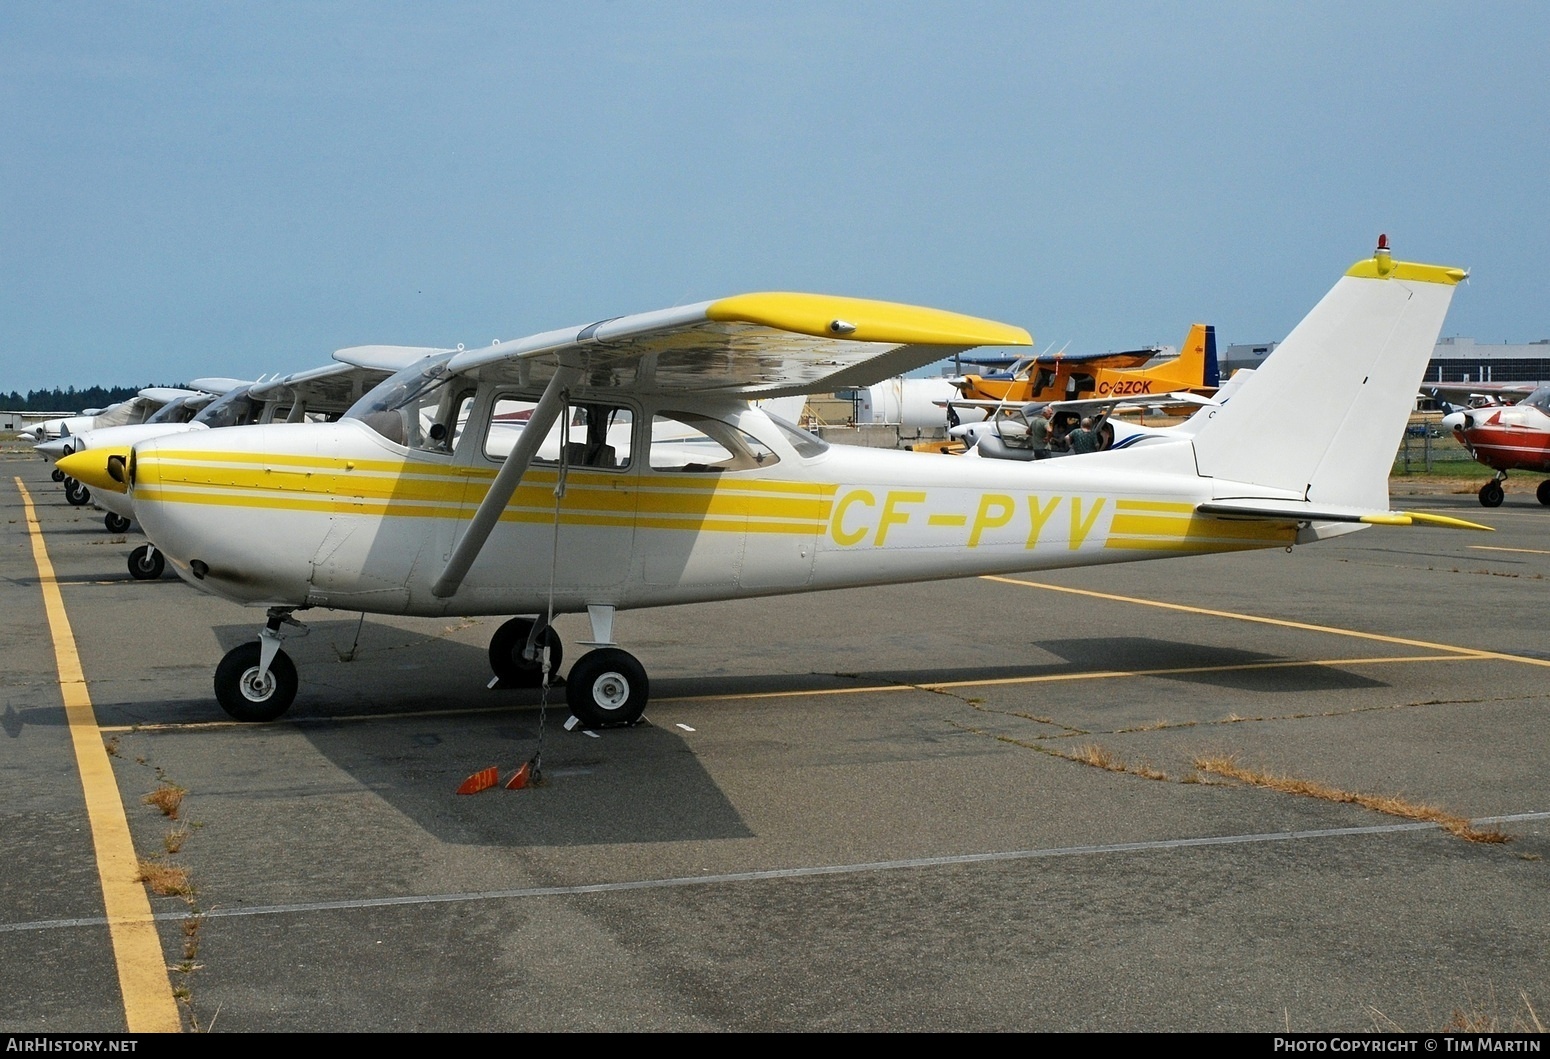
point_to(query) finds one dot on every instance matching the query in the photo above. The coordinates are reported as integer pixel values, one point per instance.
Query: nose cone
(53, 450)
(93, 468)
(1455, 422)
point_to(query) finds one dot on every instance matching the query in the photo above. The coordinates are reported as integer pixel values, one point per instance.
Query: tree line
(67, 400)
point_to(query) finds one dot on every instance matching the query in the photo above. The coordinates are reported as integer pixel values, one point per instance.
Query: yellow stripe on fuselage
(1155, 525)
(410, 489)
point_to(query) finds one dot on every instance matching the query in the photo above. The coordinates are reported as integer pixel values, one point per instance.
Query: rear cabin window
(698, 444)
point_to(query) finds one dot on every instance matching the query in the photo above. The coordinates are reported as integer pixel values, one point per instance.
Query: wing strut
(544, 414)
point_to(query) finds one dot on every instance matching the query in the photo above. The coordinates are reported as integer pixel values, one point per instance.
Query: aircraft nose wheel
(146, 563)
(76, 493)
(57, 475)
(607, 687)
(246, 695)
(1543, 492)
(1491, 494)
(116, 523)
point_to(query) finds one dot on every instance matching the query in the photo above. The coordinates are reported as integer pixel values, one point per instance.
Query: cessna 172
(136, 409)
(460, 486)
(1005, 435)
(1509, 437)
(316, 394)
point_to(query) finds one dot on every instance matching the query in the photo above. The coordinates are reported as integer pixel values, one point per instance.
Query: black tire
(57, 475)
(1543, 492)
(76, 493)
(507, 663)
(1491, 494)
(146, 564)
(244, 697)
(116, 523)
(607, 687)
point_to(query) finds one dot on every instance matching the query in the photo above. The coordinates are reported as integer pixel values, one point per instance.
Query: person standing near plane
(1083, 439)
(1039, 432)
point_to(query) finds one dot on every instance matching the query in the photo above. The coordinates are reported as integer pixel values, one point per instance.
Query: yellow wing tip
(864, 320)
(1410, 518)
(1448, 521)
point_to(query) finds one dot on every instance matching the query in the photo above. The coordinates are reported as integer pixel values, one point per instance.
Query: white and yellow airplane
(623, 465)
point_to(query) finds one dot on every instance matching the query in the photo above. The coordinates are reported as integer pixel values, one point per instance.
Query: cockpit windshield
(1540, 399)
(422, 407)
(178, 410)
(234, 409)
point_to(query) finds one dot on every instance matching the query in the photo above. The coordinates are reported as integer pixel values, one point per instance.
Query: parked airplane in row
(1099, 376)
(136, 409)
(971, 398)
(306, 396)
(1507, 437)
(622, 464)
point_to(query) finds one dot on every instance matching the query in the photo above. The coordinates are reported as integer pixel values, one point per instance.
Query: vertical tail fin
(1324, 415)
(1194, 368)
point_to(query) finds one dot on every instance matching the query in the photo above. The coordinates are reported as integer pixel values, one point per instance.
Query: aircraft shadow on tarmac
(440, 724)
(434, 722)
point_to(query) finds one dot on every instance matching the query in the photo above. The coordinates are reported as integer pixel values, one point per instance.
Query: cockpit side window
(592, 435)
(1540, 399)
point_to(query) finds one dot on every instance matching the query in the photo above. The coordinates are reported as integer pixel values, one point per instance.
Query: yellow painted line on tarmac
(1489, 548)
(1464, 652)
(149, 1006)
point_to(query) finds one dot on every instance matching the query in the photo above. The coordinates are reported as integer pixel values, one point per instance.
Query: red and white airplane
(1511, 437)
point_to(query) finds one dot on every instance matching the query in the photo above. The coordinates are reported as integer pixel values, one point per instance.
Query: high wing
(756, 346)
(751, 345)
(1085, 404)
(1468, 394)
(332, 388)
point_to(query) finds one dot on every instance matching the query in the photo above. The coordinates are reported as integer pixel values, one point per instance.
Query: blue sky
(230, 189)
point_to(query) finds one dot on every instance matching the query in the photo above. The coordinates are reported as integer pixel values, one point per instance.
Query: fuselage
(339, 515)
(1505, 438)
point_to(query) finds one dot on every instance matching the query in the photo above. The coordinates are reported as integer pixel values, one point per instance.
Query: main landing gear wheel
(606, 687)
(1491, 494)
(1543, 492)
(510, 668)
(116, 523)
(57, 475)
(76, 493)
(146, 563)
(244, 694)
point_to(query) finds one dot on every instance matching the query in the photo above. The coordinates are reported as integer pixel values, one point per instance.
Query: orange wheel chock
(482, 780)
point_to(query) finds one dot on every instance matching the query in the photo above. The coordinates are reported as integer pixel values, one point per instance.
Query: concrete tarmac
(873, 810)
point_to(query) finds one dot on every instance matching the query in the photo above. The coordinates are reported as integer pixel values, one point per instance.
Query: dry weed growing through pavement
(1101, 758)
(1224, 765)
(165, 880)
(1484, 1017)
(167, 798)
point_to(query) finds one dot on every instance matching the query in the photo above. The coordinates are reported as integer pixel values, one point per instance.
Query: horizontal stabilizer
(1302, 511)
